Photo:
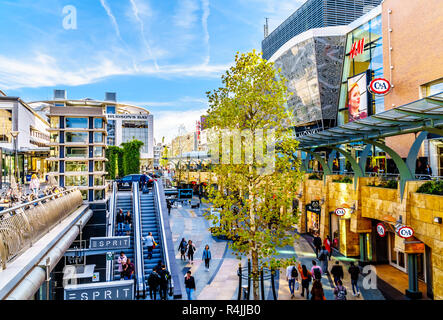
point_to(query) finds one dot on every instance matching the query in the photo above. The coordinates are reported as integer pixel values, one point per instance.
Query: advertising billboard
(358, 97)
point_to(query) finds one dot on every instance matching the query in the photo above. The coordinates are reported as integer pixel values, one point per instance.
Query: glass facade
(77, 137)
(76, 152)
(81, 123)
(110, 126)
(98, 123)
(356, 62)
(5, 125)
(98, 152)
(136, 130)
(72, 166)
(54, 122)
(71, 181)
(99, 166)
(98, 137)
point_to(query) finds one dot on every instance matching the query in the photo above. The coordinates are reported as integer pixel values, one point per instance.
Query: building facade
(315, 14)
(31, 145)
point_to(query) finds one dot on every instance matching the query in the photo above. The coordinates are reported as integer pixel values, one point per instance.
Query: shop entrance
(334, 230)
(397, 258)
(313, 212)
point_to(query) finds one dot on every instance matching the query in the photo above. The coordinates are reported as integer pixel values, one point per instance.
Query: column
(413, 291)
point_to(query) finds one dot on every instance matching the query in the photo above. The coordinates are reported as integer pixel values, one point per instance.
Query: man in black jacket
(164, 281)
(337, 272)
(120, 222)
(189, 284)
(317, 244)
(354, 271)
(153, 282)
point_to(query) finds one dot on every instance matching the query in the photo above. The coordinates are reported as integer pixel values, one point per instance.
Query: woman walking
(121, 261)
(189, 284)
(182, 248)
(317, 292)
(191, 250)
(306, 277)
(206, 257)
(35, 185)
(150, 242)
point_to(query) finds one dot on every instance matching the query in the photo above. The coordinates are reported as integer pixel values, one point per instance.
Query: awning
(422, 115)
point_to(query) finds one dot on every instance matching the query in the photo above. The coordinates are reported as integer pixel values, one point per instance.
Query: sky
(162, 55)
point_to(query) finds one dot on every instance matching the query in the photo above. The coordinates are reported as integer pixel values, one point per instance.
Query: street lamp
(14, 135)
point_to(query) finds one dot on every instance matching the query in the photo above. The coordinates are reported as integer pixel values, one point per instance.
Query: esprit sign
(405, 232)
(110, 243)
(381, 229)
(112, 290)
(380, 86)
(340, 212)
(357, 48)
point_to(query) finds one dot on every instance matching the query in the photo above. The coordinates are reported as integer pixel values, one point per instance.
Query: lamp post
(14, 135)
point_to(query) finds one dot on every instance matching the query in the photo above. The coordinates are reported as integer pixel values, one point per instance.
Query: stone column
(413, 291)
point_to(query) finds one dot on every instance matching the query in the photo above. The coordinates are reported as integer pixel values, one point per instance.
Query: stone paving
(221, 282)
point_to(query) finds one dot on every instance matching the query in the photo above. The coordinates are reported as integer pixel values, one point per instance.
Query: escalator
(124, 202)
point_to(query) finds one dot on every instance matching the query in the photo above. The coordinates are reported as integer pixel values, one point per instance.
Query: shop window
(99, 180)
(84, 194)
(77, 123)
(53, 166)
(54, 152)
(76, 166)
(54, 137)
(71, 181)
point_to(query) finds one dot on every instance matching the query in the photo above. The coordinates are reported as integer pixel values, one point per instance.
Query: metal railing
(164, 241)
(23, 225)
(387, 176)
(110, 230)
(138, 248)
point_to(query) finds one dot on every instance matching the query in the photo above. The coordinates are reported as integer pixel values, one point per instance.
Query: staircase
(149, 223)
(124, 202)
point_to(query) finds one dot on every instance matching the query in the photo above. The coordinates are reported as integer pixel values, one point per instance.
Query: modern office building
(315, 14)
(30, 143)
(80, 132)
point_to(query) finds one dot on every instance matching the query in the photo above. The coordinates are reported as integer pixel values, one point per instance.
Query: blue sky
(160, 54)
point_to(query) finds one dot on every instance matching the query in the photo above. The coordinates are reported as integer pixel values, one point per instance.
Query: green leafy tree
(254, 207)
(131, 156)
(120, 166)
(112, 153)
(164, 160)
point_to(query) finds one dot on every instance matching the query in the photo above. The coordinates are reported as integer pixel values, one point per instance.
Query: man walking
(165, 277)
(153, 282)
(292, 277)
(337, 272)
(316, 271)
(354, 272)
(168, 203)
(323, 257)
(317, 244)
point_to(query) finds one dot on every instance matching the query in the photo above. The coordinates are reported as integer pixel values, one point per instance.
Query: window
(77, 137)
(99, 180)
(110, 109)
(54, 137)
(432, 88)
(99, 166)
(84, 194)
(98, 137)
(5, 125)
(98, 152)
(54, 152)
(99, 194)
(72, 166)
(77, 123)
(71, 181)
(55, 122)
(98, 123)
(53, 166)
(76, 152)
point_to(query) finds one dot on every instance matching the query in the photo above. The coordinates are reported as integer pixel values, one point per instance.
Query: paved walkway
(221, 282)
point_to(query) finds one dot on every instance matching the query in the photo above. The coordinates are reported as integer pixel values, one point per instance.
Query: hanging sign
(340, 212)
(380, 86)
(405, 232)
(381, 229)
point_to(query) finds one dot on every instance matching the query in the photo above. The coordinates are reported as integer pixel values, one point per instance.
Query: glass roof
(412, 117)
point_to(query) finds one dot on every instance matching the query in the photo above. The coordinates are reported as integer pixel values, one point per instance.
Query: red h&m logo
(357, 48)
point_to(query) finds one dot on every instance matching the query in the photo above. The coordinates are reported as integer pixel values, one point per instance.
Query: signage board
(381, 229)
(314, 206)
(139, 117)
(340, 212)
(109, 256)
(96, 277)
(111, 243)
(405, 232)
(358, 97)
(357, 48)
(112, 290)
(379, 86)
(185, 193)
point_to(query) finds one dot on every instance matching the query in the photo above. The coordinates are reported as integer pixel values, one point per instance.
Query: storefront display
(313, 211)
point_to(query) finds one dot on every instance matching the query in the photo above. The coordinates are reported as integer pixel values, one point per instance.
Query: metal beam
(411, 160)
(357, 170)
(364, 157)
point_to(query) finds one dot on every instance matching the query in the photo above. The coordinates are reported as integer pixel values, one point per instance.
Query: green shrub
(432, 187)
(314, 176)
(343, 180)
(131, 156)
(389, 184)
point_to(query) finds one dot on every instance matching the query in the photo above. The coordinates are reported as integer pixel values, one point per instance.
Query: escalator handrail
(163, 234)
(138, 247)
(110, 229)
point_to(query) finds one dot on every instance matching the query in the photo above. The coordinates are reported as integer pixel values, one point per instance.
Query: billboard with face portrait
(358, 97)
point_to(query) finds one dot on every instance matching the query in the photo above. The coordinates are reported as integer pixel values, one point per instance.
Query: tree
(120, 167)
(131, 156)
(111, 165)
(253, 201)
(164, 160)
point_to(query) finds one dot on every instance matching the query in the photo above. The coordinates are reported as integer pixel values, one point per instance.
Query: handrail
(138, 248)
(163, 234)
(110, 229)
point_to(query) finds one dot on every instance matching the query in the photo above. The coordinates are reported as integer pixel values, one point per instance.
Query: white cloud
(205, 16)
(166, 123)
(112, 17)
(186, 14)
(183, 102)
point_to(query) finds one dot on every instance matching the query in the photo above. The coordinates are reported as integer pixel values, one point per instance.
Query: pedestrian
(189, 284)
(120, 222)
(306, 278)
(354, 271)
(150, 244)
(428, 170)
(292, 278)
(317, 292)
(122, 259)
(327, 243)
(182, 248)
(34, 184)
(168, 204)
(340, 291)
(323, 257)
(128, 270)
(316, 271)
(206, 257)
(128, 222)
(153, 283)
(191, 250)
(317, 244)
(165, 277)
(158, 267)
(337, 272)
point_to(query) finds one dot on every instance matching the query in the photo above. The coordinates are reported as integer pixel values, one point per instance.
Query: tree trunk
(254, 251)
(255, 273)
